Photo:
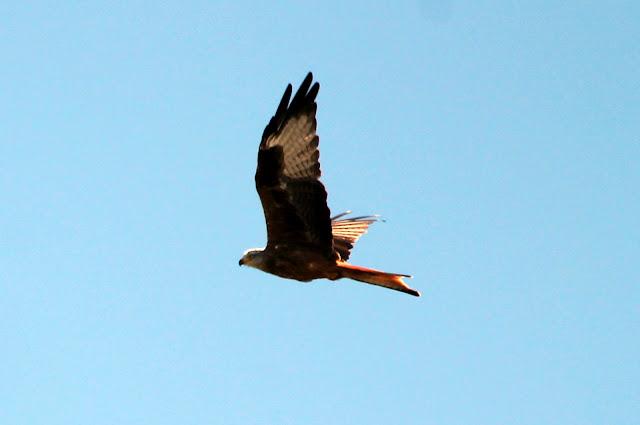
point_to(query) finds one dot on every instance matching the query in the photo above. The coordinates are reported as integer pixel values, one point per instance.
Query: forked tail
(376, 277)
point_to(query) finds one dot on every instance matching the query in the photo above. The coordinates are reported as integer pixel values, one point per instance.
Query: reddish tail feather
(376, 277)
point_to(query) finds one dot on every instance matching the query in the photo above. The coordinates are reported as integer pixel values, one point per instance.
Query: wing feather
(347, 231)
(287, 177)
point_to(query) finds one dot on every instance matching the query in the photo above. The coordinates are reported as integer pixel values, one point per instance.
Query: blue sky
(499, 140)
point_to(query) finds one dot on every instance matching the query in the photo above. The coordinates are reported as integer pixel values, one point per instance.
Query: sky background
(499, 140)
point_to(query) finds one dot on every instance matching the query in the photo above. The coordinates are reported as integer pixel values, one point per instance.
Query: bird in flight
(303, 241)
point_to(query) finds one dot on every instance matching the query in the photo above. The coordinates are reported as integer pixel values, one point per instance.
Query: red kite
(303, 241)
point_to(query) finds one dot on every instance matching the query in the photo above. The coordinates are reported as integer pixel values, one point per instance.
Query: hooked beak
(241, 262)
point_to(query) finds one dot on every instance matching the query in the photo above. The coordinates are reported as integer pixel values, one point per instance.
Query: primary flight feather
(303, 241)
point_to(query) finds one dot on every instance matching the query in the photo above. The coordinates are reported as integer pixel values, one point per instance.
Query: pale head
(253, 258)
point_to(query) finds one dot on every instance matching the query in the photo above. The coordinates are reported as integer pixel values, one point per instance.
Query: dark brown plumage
(303, 242)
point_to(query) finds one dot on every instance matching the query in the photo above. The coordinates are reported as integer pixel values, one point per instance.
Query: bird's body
(304, 242)
(294, 262)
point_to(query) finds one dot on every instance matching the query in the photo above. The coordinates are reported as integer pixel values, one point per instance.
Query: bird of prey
(303, 241)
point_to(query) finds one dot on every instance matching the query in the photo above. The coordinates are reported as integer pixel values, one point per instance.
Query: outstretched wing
(293, 199)
(347, 231)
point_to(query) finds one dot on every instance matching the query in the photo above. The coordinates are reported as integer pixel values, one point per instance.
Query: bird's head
(252, 258)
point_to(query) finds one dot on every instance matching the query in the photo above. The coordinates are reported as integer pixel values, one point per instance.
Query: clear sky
(499, 140)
